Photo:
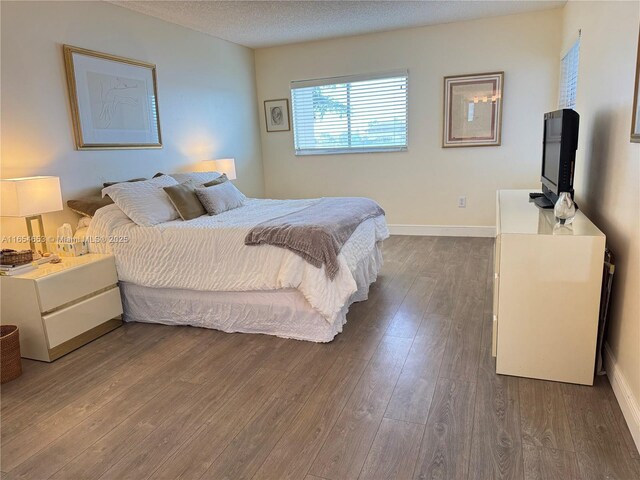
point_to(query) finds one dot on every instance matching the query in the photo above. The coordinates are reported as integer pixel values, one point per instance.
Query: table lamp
(223, 165)
(30, 197)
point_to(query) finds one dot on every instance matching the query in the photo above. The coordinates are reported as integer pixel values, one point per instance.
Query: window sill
(347, 151)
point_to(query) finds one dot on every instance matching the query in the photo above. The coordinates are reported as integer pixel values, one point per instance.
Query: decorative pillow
(198, 177)
(185, 200)
(84, 222)
(217, 181)
(88, 205)
(220, 198)
(146, 203)
(108, 184)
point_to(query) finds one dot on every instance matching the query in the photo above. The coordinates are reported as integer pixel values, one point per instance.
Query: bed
(200, 272)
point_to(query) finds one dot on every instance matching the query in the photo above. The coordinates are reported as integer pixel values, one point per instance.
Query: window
(350, 114)
(569, 77)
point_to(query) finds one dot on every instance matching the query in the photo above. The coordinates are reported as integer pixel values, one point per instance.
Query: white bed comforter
(208, 253)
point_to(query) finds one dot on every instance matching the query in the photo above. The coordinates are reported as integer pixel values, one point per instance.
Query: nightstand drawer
(59, 288)
(70, 322)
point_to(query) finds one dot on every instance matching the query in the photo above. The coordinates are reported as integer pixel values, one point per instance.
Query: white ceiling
(258, 24)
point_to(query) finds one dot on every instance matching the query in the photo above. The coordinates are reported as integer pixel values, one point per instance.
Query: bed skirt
(284, 313)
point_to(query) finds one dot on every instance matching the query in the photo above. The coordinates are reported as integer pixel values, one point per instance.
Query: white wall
(607, 180)
(206, 94)
(421, 186)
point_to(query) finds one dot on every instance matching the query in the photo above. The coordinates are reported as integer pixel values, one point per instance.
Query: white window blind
(350, 114)
(569, 77)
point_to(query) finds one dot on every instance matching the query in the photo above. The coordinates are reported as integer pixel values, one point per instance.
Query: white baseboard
(442, 230)
(629, 405)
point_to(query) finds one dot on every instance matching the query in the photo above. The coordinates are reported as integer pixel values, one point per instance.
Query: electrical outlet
(462, 202)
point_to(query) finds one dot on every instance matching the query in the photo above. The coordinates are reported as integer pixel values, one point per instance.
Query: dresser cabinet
(547, 283)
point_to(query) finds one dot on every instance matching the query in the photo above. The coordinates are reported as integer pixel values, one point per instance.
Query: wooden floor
(408, 390)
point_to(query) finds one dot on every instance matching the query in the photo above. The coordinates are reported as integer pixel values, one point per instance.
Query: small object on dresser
(15, 258)
(10, 362)
(565, 209)
(75, 248)
(69, 246)
(8, 270)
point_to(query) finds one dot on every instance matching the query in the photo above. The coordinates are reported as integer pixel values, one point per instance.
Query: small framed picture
(114, 101)
(635, 118)
(276, 113)
(473, 110)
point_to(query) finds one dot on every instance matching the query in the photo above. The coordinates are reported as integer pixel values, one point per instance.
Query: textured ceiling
(260, 24)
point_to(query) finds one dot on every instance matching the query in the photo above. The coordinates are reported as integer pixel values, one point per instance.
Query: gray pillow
(217, 181)
(220, 198)
(88, 205)
(108, 184)
(184, 198)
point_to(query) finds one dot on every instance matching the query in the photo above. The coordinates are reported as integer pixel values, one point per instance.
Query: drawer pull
(494, 336)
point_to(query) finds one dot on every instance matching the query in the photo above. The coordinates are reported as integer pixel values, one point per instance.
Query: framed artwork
(114, 101)
(635, 119)
(276, 114)
(473, 110)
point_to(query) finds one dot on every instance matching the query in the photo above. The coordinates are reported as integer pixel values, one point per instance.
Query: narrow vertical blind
(365, 113)
(569, 76)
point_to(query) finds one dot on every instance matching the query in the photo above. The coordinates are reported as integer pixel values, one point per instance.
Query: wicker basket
(11, 257)
(10, 363)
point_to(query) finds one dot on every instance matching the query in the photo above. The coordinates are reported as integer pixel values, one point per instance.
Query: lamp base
(43, 239)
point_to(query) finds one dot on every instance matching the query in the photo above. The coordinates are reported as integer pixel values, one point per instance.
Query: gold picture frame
(472, 110)
(114, 101)
(635, 115)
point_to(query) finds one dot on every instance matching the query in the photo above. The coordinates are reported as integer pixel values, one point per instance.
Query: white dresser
(60, 307)
(546, 292)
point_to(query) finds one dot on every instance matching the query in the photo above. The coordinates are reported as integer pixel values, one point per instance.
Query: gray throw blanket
(317, 232)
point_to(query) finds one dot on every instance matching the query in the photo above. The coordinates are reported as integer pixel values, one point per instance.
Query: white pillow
(220, 198)
(146, 203)
(199, 178)
(83, 222)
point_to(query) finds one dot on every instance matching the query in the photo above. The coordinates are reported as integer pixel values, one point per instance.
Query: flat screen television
(559, 145)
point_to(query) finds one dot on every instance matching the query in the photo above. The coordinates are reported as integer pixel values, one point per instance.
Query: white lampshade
(228, 166)
(223, 165)
(24, 197)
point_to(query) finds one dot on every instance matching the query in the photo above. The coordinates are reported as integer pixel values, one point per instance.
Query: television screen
(560, 141)
(552, 140)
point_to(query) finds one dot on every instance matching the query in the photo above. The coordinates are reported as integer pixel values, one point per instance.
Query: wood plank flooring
(407, 391)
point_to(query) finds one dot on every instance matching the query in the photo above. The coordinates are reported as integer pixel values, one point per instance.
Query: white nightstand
(60, 307)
